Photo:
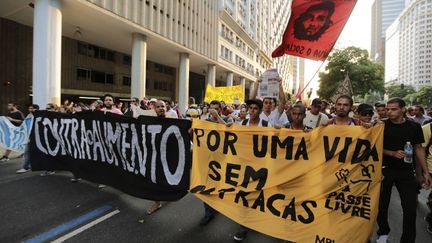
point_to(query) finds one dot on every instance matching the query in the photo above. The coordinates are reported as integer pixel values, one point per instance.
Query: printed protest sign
(321, 186)
(229, 94)
(147, 158)
(269, 86)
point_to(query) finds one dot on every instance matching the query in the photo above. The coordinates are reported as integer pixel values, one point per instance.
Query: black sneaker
(204, 221)
(240, 236)
(429, 228)
(428, 219)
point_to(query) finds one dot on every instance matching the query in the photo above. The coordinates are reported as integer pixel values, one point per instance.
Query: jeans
(429, 204)
(209, 211)
(406, 184)
(26, 158)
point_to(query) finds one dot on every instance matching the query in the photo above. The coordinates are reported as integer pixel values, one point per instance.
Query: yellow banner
(321, 186)
(230, 94)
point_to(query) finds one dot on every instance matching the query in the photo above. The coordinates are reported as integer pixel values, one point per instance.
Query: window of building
(94, 76)
(109, 78)
(226, 53)
(97, 77)
(161, 85)
(95, 51)
(164, 69)
(240, 62)
(83, 74)
(126, 81)
(82, 48)
(110, 56)
(127, 60)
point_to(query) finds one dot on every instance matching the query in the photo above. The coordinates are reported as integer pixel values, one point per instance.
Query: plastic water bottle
(408, 149)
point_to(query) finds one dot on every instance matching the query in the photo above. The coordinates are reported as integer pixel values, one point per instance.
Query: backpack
(128, 112)
(264, 123)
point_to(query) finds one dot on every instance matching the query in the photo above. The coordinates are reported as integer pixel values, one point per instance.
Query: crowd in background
(237, 112)
(273, 112)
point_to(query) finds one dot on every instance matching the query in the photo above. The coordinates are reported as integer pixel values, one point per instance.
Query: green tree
(424, 96)
(397, 90)
(365, 75)
(410, 99)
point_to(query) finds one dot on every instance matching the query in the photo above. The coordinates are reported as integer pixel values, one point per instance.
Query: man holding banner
(215, 117)
(255, 109)
(160, 110)
(109, 105)
(343, 107)
(398, 170)
(297, 114)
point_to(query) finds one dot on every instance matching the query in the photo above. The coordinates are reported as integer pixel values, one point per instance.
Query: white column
(230, 79)
(251, 88)
(139, 59)
(183, 90)
(211, 75)
(243, 84)
(47, 34)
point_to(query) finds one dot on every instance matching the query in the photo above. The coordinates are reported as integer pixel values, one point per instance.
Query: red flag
(314, 27)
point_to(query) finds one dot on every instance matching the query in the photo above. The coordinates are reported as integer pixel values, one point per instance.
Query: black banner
(148, 157)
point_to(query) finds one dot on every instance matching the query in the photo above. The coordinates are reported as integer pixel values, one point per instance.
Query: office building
(415, 44)
(384, 12)
(167, 49)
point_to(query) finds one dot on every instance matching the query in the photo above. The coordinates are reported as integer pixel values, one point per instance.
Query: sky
(357, 32)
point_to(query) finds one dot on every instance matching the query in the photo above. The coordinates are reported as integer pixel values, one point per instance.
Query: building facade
(249, 31)
(415, 44)
(391, 70)
(290, 68)
(168, 49)
(384, 12)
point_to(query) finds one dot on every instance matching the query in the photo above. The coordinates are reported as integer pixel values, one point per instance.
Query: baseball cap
(153, 100)
(192, 112)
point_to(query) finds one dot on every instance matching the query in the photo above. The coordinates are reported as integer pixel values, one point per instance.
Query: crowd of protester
(402, 124)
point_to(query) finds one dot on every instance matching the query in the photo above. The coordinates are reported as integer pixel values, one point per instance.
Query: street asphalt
(36, 209)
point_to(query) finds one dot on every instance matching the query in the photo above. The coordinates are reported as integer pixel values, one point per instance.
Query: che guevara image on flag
(314, 27)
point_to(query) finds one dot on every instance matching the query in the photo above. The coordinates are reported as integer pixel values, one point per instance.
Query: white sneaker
(382, 239)
(101, 186)
(20, 171)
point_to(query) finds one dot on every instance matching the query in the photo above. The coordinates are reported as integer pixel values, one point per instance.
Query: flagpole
(312, 77)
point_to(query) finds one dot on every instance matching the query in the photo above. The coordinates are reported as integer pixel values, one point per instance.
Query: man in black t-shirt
(16, 117)
(398, 131)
